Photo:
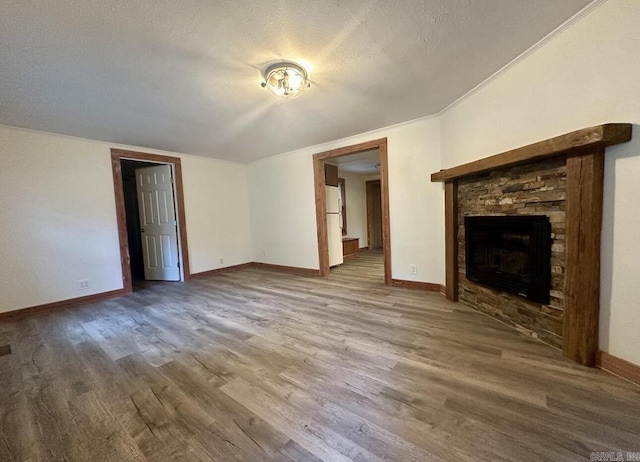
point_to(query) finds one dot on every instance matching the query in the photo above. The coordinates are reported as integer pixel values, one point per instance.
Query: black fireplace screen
(512, 253)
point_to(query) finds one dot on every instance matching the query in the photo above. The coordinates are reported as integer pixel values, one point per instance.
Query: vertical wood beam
(386, 221)
(451, 238)
(585, 177)
(182, 220)
(121, 219)
(321, 216)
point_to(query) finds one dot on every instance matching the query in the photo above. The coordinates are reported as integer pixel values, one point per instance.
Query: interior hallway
(366, 268)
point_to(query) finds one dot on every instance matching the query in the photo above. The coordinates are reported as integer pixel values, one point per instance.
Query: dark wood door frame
(321, 205)
(116, 156)
(369, 204)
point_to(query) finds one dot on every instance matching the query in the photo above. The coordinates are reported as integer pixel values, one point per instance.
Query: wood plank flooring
(258, 365)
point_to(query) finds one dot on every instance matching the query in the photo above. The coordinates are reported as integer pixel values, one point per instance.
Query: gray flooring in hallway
(257, 365)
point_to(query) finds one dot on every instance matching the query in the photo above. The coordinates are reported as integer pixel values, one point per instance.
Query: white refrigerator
(334, 225)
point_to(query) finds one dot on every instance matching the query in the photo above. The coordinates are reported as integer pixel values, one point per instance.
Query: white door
(158, 224)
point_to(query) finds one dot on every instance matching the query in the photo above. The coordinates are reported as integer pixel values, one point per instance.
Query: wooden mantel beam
(567, 145)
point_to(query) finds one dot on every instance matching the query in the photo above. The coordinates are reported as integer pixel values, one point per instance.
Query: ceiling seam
(529, 51)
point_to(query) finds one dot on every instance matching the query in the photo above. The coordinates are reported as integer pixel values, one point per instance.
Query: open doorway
(151, 220)
(132, 212)
(334, 157)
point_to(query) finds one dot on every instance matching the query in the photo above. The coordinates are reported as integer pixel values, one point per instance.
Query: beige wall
(58, 221)
(217, 208)
(587, 75)
(282, 211)
(356, 206)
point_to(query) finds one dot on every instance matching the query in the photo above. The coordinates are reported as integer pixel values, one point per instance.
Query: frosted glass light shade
(286, 80)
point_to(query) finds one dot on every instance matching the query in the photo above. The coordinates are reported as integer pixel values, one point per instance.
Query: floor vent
(5, 350)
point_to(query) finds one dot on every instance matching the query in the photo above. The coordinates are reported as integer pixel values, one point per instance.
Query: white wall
(281, 194)
(356, 198)
(217, 210)
(282, 211)
(57, 219)
(58, 222)
(587, 75)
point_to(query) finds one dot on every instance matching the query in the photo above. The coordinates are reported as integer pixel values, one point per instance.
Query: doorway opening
(150, 215)
(321, 201)
(132, 212)
(374, 215)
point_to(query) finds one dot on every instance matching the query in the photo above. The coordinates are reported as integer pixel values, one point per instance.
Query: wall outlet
(83, 284)
(413, 269)
(221, 261)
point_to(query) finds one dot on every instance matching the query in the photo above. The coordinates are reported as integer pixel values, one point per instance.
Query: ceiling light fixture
(285, 80)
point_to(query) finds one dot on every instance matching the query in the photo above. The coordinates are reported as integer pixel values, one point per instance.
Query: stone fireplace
(561, 181)
(534, 193)
(511, 253)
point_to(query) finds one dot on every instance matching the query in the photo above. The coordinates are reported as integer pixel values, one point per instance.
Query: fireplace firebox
(511, 253)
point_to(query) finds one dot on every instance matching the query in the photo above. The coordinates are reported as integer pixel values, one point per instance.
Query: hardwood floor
(367, 267)
(258, 365)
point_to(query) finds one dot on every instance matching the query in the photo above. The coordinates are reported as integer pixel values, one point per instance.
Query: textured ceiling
(362, 163)
(185, 75)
